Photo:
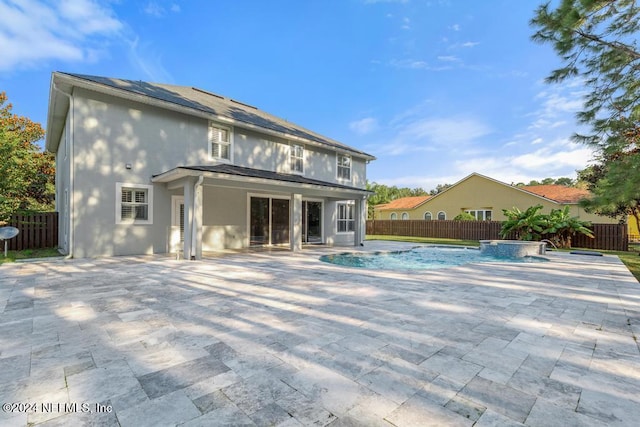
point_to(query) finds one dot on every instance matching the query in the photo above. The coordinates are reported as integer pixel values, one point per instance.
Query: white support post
(188, 217)
(197, 221)
(360, 221)
(295, 236)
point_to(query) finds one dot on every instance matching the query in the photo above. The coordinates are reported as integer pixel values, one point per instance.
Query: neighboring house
(485, 198)
(398, 208)
(146, 168)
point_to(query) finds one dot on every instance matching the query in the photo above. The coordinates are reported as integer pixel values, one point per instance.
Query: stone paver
(281, 338)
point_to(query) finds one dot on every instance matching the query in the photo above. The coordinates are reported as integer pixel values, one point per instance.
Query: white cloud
(455, 27)
(434, 134)
(449, 58)
(364, 126)
(156, 10)
(409, 63)
(142, 56)
(70, 30)
(559, 154)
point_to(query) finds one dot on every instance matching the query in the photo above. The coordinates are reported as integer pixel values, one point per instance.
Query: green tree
(27, 174)
(615, 187)
(598, 43)
(439, 189)
(385, 194)
(567, 182)
(464, 216)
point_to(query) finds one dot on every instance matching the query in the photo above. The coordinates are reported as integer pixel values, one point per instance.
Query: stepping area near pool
(281, 338)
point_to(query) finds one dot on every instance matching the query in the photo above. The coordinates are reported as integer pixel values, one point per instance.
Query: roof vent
(207, 93)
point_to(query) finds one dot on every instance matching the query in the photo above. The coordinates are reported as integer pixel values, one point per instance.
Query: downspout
(71, 173)
(194, 229)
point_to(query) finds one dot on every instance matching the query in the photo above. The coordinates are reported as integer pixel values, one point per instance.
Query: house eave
(179, 173)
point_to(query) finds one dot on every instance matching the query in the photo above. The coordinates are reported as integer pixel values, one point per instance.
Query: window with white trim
(134, 203)
(480, 214)
(219, 142)
(344, 167)
(346, 217)
(428, 216)
(405, 215)
(442, 215)
(394, 216)
(296, 158)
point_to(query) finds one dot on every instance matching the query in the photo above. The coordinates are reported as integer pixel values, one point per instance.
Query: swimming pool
(422, 257)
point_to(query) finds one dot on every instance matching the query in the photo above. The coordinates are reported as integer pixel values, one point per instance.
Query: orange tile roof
(559, 193)
(403, 203)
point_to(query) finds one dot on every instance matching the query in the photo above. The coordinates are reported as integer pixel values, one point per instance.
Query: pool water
(424, 257)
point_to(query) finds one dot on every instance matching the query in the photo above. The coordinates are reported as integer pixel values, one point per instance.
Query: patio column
(295, 226)
(188, 217)
(196, 237)
(360, 220)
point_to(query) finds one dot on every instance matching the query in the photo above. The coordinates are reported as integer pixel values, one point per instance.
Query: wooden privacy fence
(607, 236)
(37, 231)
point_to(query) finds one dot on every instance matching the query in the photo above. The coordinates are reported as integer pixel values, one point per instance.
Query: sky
(435, 89)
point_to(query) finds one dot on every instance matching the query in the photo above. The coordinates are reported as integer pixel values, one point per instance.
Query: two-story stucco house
(153, 168)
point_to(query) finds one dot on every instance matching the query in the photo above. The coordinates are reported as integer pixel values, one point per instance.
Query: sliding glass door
(311, 222)
(268, 221)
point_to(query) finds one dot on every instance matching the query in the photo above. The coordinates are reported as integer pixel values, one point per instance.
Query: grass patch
(12, 256)
(631, 258)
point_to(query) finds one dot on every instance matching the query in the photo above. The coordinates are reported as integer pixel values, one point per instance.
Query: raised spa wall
(512, 248)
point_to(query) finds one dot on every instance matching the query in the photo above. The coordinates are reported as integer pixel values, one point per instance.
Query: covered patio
(267, 209)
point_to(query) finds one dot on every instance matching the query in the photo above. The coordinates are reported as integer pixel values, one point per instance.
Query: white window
(219, 142)
(428, 216)
(134, 203)
(344, 167)
(296, 158)
(442, 215)
(346, 218)
(481, 214)
(405, 215)
(394, 216)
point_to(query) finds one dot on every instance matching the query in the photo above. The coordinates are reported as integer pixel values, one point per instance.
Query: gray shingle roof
(217, 105)
(264, 174)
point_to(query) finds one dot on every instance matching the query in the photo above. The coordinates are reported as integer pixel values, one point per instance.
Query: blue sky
(434, 89)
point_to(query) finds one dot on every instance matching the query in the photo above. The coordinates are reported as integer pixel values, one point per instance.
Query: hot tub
(512, 248)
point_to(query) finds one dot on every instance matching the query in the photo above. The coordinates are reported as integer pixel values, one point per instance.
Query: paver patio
(284, 339)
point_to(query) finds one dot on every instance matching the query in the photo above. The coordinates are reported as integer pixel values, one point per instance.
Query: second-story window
(219, 142)
(344, 167)
(297, 158)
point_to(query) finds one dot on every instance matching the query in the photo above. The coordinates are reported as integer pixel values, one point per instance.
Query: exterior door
(177, 222)
(268, 221)
(311, 222)
(259, 221)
